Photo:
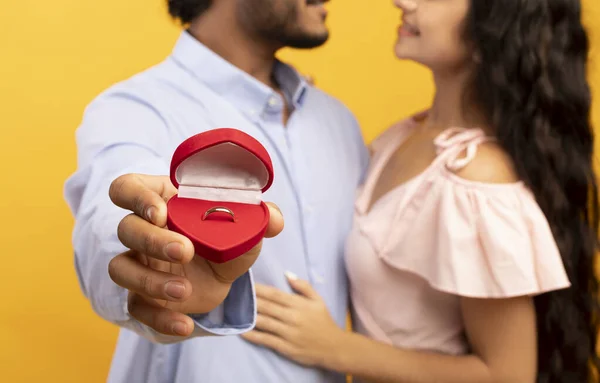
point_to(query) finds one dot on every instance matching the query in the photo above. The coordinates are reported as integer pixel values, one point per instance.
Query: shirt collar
(243, 90)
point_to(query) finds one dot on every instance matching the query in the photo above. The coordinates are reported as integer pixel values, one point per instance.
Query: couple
(468, 253)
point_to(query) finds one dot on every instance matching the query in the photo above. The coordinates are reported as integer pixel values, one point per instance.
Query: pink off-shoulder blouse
(439, 237)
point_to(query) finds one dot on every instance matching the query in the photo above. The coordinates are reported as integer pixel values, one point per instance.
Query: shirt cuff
(237, 313)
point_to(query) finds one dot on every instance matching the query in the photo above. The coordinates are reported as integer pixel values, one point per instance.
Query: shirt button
(273, 101)
(318, 278)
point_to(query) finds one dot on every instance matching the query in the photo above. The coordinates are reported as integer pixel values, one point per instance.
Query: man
(221, 73)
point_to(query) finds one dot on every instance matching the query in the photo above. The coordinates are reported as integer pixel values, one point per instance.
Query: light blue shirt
(319, 159)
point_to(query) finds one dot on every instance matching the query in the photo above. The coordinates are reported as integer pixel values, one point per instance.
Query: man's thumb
(275, 225)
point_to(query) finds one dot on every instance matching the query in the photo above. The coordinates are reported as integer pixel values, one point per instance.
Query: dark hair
(188, 10)
(530, 81)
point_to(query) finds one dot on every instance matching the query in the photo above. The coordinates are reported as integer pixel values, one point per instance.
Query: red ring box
(223, 168)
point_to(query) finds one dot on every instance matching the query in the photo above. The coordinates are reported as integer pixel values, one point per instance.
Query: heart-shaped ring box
(220, 175)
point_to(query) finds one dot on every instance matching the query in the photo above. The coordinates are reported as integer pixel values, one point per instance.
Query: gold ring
(218, 209)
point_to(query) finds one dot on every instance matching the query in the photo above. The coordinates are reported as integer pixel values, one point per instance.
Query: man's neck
(228, 41)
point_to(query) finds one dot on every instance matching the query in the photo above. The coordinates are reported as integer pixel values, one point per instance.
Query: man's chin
(306, 41)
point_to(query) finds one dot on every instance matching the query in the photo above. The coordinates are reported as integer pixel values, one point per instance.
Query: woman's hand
(297, 326)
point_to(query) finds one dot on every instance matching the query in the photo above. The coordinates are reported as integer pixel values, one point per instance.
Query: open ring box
(220, 175)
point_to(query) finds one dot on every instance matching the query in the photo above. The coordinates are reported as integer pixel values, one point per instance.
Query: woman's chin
(401, 53)
(404, 54)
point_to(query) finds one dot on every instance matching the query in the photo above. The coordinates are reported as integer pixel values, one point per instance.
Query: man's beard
(302, 40)
(277, 21)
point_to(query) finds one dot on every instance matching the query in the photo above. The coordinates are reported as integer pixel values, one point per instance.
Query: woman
(472, 253)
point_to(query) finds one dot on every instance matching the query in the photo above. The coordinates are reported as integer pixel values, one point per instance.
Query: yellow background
(55, 56)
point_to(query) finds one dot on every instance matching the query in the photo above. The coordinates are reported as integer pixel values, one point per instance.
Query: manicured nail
(151, 214)
(174, 250)
(291, 276)
(180, 328)
(175, 290)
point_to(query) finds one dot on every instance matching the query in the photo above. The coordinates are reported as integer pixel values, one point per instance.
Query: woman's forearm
(373, 361)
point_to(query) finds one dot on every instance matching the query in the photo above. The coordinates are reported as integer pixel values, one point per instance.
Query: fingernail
(291, 276)
(174, 250)
(151, 213)
(276, 208)
(180, 328)
(175, 290)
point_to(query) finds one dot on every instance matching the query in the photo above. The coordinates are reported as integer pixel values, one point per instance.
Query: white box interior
(224, 172)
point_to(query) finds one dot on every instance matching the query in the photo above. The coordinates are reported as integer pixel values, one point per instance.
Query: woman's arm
(501, 333)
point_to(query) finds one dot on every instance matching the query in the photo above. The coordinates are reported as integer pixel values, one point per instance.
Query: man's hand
(164, 278)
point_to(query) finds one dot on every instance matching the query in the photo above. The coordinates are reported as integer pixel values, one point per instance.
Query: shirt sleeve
(364, 157)
(121, 133)
(358, 154)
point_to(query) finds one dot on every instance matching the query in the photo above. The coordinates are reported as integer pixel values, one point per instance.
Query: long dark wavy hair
(530, 80)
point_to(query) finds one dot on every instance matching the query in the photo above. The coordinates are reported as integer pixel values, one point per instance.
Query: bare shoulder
(491, 164)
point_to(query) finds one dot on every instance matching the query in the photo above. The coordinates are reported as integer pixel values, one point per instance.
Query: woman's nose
(406, 5)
